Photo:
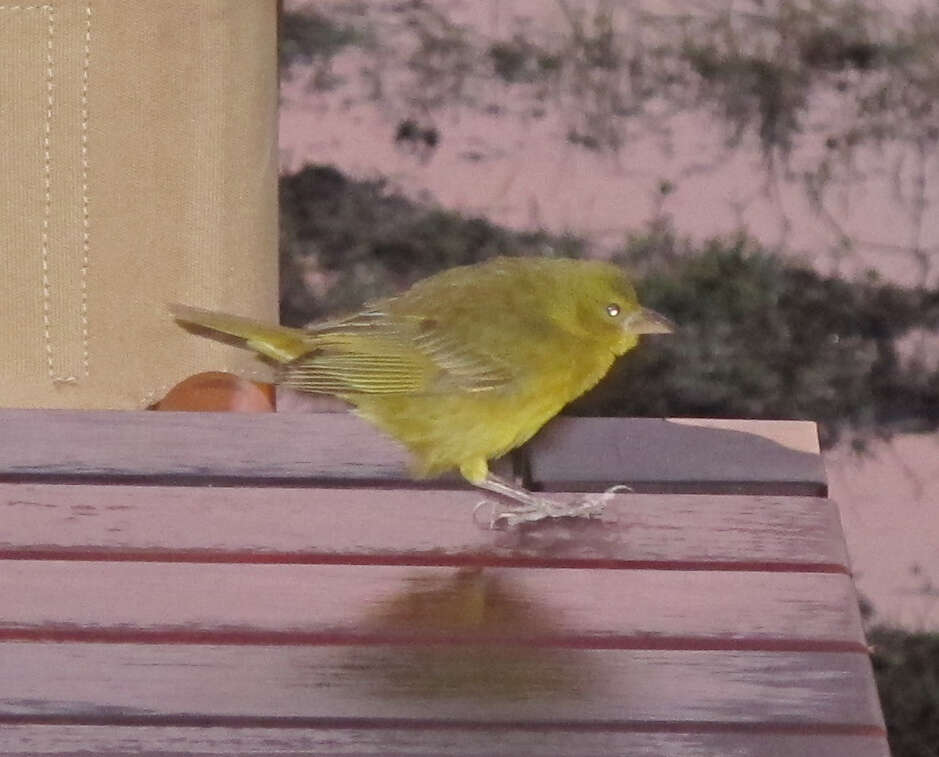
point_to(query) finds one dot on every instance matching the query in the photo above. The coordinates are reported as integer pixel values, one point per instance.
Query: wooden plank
(173, 447)
(367, 603)
(800, 436)
(433, 686)
(583, 454)
(658, 455)
(304, 525)
(80, 741)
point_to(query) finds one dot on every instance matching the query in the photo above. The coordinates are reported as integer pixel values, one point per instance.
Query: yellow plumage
(466, 364)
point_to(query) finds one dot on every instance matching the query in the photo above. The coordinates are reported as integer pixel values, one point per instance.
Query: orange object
(221, 392)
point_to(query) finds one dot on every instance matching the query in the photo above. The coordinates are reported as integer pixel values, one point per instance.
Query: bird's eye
(612, 310)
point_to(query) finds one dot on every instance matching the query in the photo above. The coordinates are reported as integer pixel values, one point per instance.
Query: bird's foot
(540, 508)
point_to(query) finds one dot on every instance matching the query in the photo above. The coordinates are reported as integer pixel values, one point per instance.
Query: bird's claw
(587, 506)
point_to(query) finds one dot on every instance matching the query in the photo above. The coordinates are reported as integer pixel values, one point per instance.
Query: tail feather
(279, 343)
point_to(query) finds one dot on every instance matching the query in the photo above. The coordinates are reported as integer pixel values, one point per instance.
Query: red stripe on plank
(209, 556)
(251, 636)
(589, 726)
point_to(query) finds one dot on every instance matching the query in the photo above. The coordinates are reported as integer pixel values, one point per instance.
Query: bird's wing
(375, 353)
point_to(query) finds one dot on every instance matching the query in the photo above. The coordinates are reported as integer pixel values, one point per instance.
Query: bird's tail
(280, 343)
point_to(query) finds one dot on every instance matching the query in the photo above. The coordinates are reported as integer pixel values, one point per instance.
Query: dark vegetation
(829, 92)
(760, 337)
(363, 242)
(906, 666)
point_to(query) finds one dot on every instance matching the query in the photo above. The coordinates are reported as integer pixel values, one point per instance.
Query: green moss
(906, 666)
(309, 36)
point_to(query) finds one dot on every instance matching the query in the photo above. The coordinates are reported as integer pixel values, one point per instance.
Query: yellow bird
(466, 364)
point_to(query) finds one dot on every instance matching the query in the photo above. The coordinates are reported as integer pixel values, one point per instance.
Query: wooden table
(185, 583)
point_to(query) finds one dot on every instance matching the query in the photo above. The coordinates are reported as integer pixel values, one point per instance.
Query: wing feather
(373, 352)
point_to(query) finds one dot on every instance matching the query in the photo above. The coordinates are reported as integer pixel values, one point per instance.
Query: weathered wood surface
(411, 527)
(178, 447)
(176, 684)
(346, 612)
(153, 741)
(576, 454)
(677, 455)
(355, 604)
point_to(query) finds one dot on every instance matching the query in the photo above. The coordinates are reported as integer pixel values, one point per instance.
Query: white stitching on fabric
(47, 204)
(49, 10)
(85, 219)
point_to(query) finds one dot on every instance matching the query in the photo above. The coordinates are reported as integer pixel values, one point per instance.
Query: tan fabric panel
(138, 166)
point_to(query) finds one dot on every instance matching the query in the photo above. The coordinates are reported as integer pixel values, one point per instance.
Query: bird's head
(606, 307)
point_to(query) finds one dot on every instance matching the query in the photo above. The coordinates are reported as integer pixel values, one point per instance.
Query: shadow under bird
(467, 364)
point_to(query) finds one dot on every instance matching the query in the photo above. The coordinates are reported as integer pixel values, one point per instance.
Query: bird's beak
(646, 321)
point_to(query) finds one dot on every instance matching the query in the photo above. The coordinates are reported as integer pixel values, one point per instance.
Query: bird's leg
(531, 507)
